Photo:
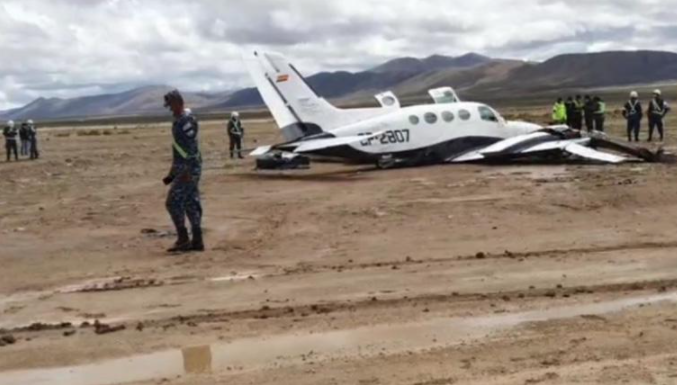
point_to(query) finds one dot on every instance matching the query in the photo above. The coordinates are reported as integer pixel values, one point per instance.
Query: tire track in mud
(391, 304)
(554, 253)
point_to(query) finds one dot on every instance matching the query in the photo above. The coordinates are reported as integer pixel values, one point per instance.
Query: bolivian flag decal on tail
(282, 78)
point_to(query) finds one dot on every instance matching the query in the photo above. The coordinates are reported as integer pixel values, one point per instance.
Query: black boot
(197, 244)
(182, 244)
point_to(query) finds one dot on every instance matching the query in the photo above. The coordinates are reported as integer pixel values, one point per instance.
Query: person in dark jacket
(235, 134)
(589, 109)
(25, 141)
(11, 133)
(578, 109)
(656, 112)
(183, 198)
(600, 113)
(570, 111)
(632, 112)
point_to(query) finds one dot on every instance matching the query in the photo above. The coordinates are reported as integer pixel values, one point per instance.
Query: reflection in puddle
(235, 277)
(254, 353)
(197, 360)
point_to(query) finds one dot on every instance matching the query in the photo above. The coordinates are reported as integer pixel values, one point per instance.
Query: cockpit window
(488, 114)
(448, 116)
(464, 114)
(413, 119)
(430, 117)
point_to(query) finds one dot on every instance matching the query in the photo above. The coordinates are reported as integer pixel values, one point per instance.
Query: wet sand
(526, 274)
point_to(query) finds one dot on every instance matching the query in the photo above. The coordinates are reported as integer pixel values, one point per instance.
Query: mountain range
(473, 75)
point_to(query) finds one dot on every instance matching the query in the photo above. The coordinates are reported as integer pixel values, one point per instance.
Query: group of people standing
(656, 112)
(576, 111)
(592, 111)
(21, 140)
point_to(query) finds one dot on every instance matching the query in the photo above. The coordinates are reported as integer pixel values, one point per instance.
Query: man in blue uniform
(183, 199)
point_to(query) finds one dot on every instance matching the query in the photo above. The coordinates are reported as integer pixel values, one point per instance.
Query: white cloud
(75, 47)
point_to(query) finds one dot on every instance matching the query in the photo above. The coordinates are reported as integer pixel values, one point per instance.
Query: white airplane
(449, 131)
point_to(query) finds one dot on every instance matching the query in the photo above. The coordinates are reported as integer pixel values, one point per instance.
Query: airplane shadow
(344, 175)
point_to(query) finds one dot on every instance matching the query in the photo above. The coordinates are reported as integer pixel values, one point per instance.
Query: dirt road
(430, 276)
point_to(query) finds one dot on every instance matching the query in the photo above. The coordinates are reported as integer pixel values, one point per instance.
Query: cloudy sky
(65, 48)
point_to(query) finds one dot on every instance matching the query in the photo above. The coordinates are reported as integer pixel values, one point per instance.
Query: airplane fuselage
(434, 131)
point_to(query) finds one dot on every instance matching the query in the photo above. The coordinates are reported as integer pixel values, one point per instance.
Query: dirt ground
(469, 274)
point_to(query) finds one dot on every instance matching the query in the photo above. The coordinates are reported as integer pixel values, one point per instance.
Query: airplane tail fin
(297, 109)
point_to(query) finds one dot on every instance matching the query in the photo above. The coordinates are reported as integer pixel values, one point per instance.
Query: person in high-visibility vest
(235, 134)
(183, 199)
(658, 108)
(632, 112)
(600, 113)
(559, 112)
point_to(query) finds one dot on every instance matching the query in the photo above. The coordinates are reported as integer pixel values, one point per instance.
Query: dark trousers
(633, 129)
(34, 149)
(577, 122)
(25, 147)
(655, 123)
(183, 200)
(589, 123)
(599, 122)
(235, 146)
(12, 146)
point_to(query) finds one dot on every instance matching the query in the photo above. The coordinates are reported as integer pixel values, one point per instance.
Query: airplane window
(413, 119)
(430, 118)
(487, 114)
(389, 101)
(448, 116)
(464, 114)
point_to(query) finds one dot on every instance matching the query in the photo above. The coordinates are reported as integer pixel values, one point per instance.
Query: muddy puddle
(257, 353)
(12, 304)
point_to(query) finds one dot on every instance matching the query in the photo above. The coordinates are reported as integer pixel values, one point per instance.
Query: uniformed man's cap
(173, 96)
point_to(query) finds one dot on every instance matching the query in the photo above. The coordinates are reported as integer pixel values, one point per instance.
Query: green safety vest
(601, 110)
(559, 112)
(184, 153)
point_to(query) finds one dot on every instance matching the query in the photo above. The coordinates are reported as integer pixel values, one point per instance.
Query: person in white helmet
(658, 108)
(632, 112)
(235, 134)
(10, 133)
(33, 138)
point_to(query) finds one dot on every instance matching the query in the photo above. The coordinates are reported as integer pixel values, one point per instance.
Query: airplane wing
(535, 144)
(310, 146)
(321, 144)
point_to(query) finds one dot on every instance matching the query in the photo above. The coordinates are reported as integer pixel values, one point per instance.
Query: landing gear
(282, 161)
